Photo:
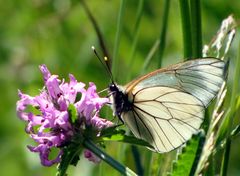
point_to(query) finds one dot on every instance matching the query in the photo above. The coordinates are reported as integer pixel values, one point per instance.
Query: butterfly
(166, 107)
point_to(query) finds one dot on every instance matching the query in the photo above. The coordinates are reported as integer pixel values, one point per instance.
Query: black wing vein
(150, 131)
(198, 77)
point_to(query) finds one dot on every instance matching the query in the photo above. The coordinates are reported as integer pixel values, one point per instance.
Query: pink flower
(48, 122)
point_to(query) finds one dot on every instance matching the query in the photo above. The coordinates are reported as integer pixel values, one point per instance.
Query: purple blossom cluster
(48, 117)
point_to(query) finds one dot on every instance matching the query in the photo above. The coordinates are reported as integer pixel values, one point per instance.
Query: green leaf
(182, 166)
(115, 134)
(126, 139)
(111, 130)
(73, 115)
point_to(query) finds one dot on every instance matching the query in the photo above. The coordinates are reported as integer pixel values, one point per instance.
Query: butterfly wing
(168, 104)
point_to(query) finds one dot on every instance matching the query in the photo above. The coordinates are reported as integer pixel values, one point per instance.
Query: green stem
(235, 92)
(137, 160)
(226, 158)
(108, 159)
(136, 34)
(196, 27)
(115, 62)
(198, 154)
(150, 55)
(186, 28)
(163, 32)
(148, 162)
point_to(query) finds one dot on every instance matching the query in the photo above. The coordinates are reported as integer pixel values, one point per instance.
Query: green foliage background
(59, 34)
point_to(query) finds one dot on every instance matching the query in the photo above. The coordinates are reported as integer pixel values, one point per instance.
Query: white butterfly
(166, 106)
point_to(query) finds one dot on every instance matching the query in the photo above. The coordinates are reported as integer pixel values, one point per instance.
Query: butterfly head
(113, 88)
(120, 100)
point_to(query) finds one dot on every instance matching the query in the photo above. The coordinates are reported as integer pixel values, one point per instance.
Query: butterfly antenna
(108, 67)
(105, 63)
(103, 91)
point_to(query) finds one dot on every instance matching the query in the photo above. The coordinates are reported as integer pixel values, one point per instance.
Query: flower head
(49, 120)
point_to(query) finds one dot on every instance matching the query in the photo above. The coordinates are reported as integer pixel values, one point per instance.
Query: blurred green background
(59, 34)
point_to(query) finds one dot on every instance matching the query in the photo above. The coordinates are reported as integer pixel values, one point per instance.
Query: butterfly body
(121, 101)
(166, 106)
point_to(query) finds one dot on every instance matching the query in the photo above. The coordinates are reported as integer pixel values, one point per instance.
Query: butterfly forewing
(168, 104)
(201, 78)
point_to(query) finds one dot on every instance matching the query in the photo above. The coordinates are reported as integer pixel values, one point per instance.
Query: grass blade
(115, 61)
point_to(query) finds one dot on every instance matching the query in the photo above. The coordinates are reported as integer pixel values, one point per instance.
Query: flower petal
(53, 88)
(44, 152)
(46, 73)
(91, 156)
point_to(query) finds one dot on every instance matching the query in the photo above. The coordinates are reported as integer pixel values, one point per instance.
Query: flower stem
(108, 159)
(186, 28)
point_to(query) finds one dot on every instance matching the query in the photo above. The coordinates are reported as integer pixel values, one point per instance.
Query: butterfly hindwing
(164, 119)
